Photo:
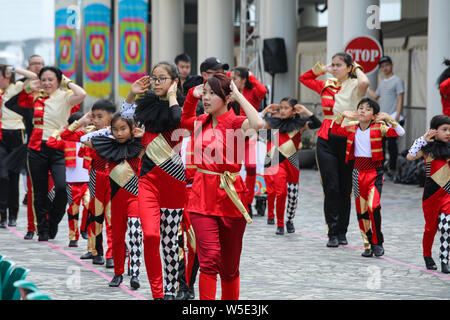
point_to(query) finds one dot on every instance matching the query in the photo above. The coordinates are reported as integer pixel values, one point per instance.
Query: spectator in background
(444, 88)
(390, 93)
(187, 81)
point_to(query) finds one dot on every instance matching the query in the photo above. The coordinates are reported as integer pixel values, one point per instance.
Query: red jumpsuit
(123, 178)
(436, 205)
(219, 226)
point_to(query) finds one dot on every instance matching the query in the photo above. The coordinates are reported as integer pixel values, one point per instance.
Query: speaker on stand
(275, 59)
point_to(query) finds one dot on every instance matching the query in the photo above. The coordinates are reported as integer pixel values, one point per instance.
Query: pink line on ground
(53, 246)
(311, 190)
(383, 257)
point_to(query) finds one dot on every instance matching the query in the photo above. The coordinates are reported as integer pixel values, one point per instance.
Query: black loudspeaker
(274, 55)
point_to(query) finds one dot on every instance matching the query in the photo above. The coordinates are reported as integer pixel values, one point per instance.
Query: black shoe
(191, 294)
(270, 221)
(109, 263)
(12, 221)
(280, 230)
(43, 236)
(53, 231)
(3, 218)
(377, 250)
(333, 242)
(87, 255)
(290, 227)
(134, 282)
(3, 224)
(98, 259)
(24, 201)
(429, 263)
(445, 268)
(342, 239)
(29, 235)
(116, 281)
(368, 253)
(73, 244)
(169, 297)
(182, 295)
(84, 235)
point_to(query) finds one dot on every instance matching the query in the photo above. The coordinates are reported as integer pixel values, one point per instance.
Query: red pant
(77, 193)
(99, 211)
(367, 189)
(160, 195)
(219, 246)
(276, 188)
(123, 205)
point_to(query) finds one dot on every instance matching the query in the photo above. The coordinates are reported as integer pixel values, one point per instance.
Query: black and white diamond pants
(292, 198)
(170, 222)
(444, 228)
(135, 245)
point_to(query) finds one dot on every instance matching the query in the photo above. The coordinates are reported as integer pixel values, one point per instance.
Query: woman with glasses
(161, 180)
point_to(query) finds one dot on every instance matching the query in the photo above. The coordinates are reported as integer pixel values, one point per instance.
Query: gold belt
(227, 180)
(333, 117)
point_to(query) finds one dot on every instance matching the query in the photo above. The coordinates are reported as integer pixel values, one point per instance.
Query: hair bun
(447, 62)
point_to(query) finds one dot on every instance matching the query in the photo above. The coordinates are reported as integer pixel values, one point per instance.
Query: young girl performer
(434, 148)
(123, 152)
(162, 183)
(282, 163)
(216, 207)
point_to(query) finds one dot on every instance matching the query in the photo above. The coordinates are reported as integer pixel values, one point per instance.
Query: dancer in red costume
(444, 88)
(216, 207)
(282, 161)
(434, 147)
(364, 144)
(123, 152)
(162, 183)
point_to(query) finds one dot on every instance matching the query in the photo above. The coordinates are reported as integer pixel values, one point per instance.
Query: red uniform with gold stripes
(367, 174)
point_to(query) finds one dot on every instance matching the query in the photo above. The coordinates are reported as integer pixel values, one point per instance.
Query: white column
(278, 20)
(359, 22)
(309, 16)
(438, 49)
(335, 28)
(167, 30)
(215, 30)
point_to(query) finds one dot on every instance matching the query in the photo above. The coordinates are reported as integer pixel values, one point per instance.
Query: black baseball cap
(213, 63)
(385, 59)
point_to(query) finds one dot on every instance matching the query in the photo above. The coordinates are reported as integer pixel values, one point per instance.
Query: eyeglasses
(36, 64)
(158, 80)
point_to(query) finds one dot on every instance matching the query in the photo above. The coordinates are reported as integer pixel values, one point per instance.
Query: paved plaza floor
(295, 266)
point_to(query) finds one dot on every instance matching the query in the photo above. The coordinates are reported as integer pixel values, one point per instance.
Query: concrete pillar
(438, 48)
(167, 30)
(414, 9)
(215, 30)
(359, 22)
(278, 20)
(335, 28)
(309, 16)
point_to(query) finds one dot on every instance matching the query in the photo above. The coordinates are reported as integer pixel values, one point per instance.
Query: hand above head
(235, 94)
(350, 114)
(429, 135)
(138, 132)
(272, 108)
(141, 85)
(86, 119)
(173, 88)
(382, 116)
(301, 109)
(36, 85)
(198, 91)
(327, 68)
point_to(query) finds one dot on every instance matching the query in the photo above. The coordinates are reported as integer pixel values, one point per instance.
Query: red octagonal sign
(366, 51)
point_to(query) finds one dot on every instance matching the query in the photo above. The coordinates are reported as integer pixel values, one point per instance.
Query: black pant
(48, 214)
(9, 177)
(336, 177)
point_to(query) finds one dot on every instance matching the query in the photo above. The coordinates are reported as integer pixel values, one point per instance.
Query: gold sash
(227, 180)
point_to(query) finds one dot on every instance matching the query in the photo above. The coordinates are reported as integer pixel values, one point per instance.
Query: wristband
(65, 82)
(74, 126)
(356, 66)
(172, 93)
(418, 144)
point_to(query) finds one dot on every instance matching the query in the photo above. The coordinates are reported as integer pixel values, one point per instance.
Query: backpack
(410, 172)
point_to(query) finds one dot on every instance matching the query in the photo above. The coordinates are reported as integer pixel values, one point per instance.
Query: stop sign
(366, 51)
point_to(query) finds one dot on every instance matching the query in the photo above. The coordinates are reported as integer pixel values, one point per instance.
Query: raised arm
(140, 86)
(415, 152)
(363, 81)
(190, 104)
(254, 120)
(309, 77)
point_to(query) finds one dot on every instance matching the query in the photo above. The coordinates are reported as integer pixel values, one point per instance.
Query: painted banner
(97, 67)
(132, 41)
(66, 37)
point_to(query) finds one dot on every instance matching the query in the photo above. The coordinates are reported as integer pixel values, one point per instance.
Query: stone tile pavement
(295, 266)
